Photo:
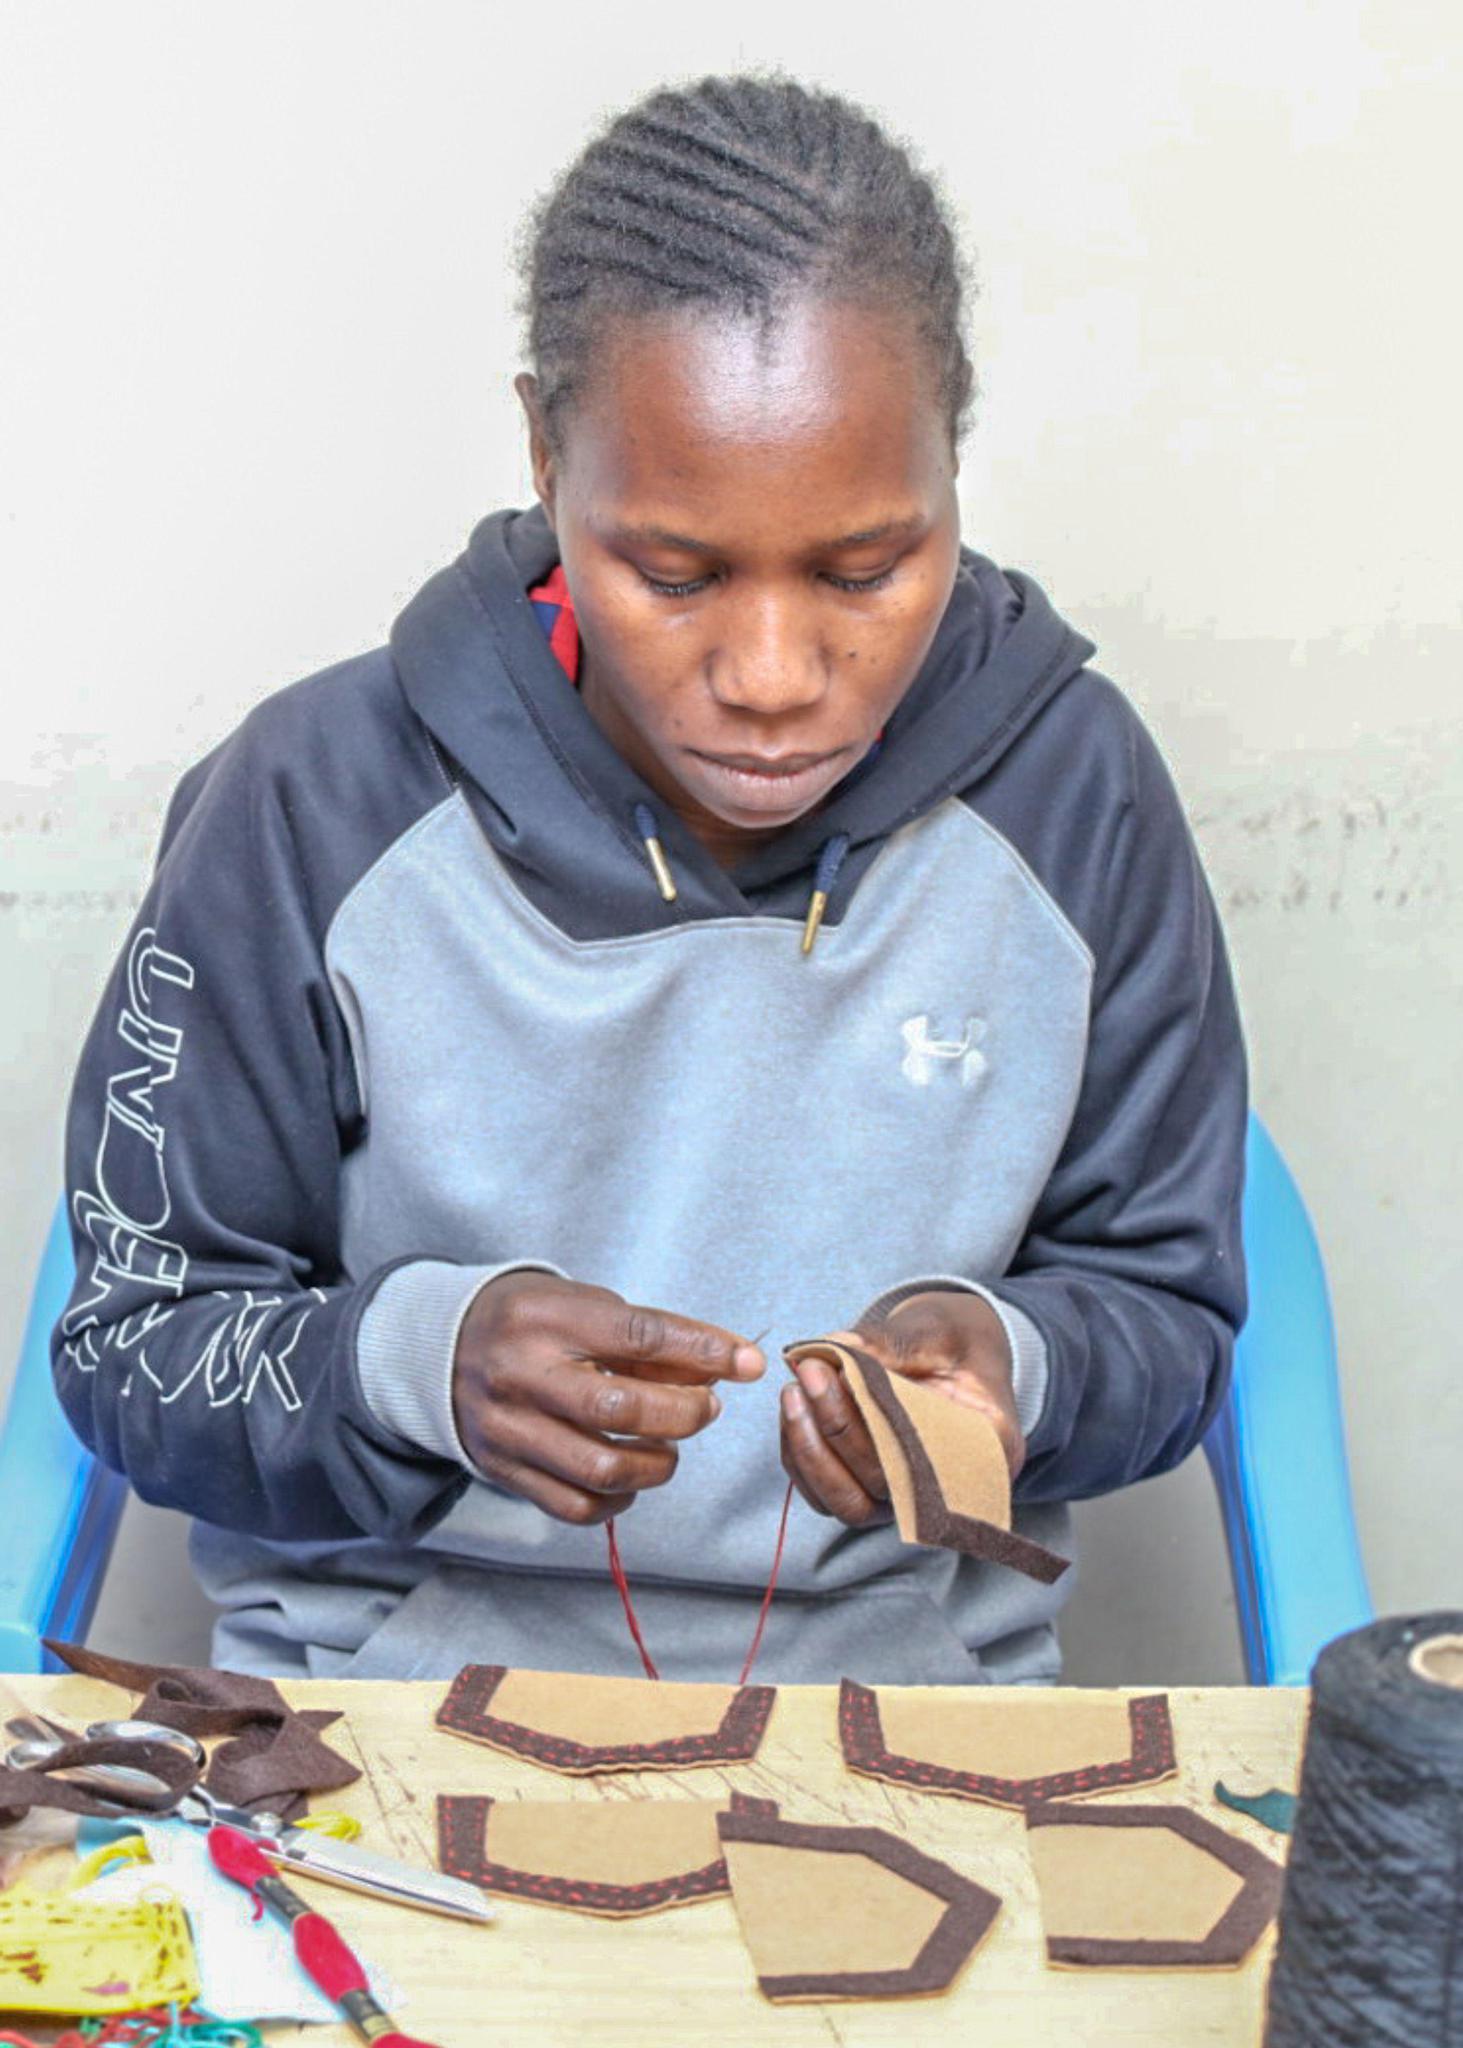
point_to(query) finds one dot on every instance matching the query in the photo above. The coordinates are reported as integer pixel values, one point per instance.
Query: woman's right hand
(576, 1399)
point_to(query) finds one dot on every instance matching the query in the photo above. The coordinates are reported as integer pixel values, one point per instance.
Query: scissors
(138, 1792)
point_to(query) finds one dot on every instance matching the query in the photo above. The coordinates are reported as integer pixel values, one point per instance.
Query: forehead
(823, 410)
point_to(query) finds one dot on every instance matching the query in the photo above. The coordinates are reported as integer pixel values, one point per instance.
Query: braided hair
(739, 195)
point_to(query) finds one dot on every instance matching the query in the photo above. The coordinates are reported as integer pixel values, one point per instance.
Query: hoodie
(406, 1006)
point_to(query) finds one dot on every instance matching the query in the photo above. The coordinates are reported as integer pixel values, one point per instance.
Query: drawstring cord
(830, 860)
(647, 825)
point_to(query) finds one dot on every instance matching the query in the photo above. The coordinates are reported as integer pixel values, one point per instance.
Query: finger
(594, 1464)
(840, 1424)
(612, 1404)
(564, 1503)
(624, 1334)
(823, 1478)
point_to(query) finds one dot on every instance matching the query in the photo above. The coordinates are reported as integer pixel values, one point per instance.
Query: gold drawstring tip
(816, 908)
(665, 880)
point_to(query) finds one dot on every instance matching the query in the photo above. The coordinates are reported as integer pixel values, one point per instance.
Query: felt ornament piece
(1147, 1888)
(949, 1484)
(616, 1858)
(581, 1724)
(1274, 1809)
(59, 1953)
(275, 1755)
(1004, 1752)
(848, 1912)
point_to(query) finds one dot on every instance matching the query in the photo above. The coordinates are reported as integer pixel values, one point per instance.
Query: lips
(773, 765)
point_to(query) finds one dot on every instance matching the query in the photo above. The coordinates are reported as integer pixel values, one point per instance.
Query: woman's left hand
(952, 1341)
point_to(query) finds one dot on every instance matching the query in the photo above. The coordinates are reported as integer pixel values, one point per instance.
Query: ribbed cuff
(406, 1345)
(1029, 1366)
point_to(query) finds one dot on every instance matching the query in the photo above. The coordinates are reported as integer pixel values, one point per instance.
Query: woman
(728, 911)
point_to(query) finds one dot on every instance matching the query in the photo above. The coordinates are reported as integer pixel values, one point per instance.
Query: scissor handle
(148, 1731)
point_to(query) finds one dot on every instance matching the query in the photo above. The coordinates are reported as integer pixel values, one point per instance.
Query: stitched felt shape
(848, 1912)
(949, 1484)
(1147, 1888)
(616, 1857)
(275, 1755)
(1021, 1753)
(580, 1724)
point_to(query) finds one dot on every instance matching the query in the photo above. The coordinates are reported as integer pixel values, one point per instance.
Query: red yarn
(326, 1958)
(622, 1587)
(239, 1858)
(762, 1612)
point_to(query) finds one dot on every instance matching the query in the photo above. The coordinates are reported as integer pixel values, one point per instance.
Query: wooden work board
(558, 1980)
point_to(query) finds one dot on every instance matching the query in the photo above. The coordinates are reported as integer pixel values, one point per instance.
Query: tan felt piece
(622, 1841)
(964, 1449)
(581, 1724)
(1147, 1887)
(1038, 1738)
(604, 1711)
(611, 1858)
(803, 1913)
(949, 1483)
(848, 1912)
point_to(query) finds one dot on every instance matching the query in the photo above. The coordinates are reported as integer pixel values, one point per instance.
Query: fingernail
(715, 1406)
(814, 1375)
(748, 1362)
(793, 1404)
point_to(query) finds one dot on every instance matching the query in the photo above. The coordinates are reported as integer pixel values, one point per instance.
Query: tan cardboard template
(610, 1857)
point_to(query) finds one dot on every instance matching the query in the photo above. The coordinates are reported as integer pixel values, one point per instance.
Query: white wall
(257, 342)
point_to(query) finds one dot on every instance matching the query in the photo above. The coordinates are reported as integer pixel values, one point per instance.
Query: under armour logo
(922, 1053)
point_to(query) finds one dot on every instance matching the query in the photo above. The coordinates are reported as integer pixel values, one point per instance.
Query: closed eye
(700, 583)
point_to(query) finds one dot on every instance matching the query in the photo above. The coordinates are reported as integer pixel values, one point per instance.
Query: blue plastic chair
(1277, 1451)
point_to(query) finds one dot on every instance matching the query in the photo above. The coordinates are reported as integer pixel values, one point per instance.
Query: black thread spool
(1370, 1953)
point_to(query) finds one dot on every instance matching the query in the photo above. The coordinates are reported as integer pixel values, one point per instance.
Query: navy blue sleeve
(1132, 1267)
(208, 1349)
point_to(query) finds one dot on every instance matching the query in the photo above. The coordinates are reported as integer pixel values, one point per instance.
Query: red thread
(327, 1960)
(766, 1606)
(622, 1587)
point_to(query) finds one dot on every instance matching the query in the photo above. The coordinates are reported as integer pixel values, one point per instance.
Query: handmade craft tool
(95, 1774)
(325, 1956)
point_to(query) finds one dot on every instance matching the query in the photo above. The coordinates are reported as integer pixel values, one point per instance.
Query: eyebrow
(660, 536)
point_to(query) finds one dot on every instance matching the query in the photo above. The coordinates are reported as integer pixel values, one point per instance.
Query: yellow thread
(341, 1827)
(130, 1849)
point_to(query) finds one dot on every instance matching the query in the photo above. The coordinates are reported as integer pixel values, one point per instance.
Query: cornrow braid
(739, 194)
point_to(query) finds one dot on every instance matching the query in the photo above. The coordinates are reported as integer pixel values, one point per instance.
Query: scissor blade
(346, 1863)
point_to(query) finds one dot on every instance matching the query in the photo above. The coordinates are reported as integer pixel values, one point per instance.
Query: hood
(557, 799)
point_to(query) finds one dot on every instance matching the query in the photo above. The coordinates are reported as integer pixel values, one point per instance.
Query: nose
(769, 660)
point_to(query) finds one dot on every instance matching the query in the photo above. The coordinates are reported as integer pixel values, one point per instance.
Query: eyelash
(859, 585)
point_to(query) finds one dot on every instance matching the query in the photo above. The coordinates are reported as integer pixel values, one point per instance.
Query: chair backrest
(1277, 1452)
(61, 1507)
(1278, 1447)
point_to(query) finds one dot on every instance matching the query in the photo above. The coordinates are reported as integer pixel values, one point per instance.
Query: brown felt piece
(949, 1483)
(848, 1912)
(1021, 1753)
(578, 1723)
(1147, 1887)
(275, 1756)
(614, 1858)
(45, 1785)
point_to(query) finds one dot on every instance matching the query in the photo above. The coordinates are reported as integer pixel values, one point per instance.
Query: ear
(541, 454)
